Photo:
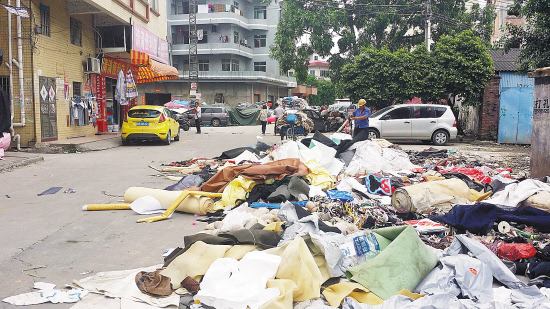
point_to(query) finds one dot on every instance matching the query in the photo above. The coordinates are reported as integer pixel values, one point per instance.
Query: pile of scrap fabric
(335, 222)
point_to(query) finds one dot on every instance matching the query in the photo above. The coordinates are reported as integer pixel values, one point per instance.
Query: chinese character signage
(147, 42)
(110, 67)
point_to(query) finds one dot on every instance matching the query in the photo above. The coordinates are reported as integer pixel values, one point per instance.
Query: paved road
(53, 231)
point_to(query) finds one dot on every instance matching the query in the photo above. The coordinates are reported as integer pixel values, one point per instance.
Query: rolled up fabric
(193, 204)
(424, 196)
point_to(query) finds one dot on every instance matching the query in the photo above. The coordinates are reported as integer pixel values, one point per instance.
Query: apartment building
(233, 51)
(59, 93)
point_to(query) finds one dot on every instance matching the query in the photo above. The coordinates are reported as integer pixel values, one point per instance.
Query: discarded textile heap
(335, 222)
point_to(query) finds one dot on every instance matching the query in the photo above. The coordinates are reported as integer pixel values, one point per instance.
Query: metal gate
(516, 115)
(48, 109)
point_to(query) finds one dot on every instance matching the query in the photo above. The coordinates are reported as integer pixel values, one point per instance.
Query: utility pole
(428, 31)
(193, 42)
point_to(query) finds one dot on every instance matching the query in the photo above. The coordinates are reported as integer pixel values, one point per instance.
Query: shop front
(109, 86)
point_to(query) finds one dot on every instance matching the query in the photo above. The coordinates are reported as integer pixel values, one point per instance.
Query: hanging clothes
(120, 92)
(131, 88)
(200, 34)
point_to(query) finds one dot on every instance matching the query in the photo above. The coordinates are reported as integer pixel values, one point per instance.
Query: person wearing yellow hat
(361, 117)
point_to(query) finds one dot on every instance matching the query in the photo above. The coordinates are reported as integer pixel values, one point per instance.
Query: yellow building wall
(27, 132)
(56, 57)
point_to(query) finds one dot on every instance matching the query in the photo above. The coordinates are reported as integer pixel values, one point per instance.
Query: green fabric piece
(383, 242)
(401, 265)
(243, 115)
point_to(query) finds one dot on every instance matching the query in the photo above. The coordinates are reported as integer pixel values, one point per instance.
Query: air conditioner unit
(92, 66)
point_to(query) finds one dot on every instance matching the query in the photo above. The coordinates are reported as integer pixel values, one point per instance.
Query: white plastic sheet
(232, 284)
(46, 294)
(371, 158)
(460, 275)
(515, 193)
(147, 205)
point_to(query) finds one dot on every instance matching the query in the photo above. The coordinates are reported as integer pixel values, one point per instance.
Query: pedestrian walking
(198, 117)
(361, 117)
(263, 118)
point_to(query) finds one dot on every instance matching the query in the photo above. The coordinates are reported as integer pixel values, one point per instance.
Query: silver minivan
(426, 122)
(211, 115)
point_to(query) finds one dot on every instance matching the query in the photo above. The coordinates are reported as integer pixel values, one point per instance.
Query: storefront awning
(151, 70)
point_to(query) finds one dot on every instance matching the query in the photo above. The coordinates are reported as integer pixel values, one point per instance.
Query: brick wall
(489, 113)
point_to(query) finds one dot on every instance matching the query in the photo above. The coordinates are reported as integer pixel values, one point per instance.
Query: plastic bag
(343, 196)
(515, 251)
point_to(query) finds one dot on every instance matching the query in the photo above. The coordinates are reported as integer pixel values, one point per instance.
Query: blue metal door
(516, 115)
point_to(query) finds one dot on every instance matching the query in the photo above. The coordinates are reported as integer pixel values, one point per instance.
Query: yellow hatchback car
(150, 123)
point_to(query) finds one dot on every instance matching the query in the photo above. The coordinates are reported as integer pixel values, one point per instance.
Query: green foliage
(465, 65)
(326, 93)
(534, 37)
(310, 25)
(459, 66)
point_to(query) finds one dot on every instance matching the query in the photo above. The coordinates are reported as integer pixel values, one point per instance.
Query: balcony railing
(215, 48)
(220, 18)
(243, 75)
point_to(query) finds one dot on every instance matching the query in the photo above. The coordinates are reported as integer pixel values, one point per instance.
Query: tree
(310, 25)
(378, 76)
(459, 66)
(326, 90)
(464, 66)
(534, 37)
(326, 93)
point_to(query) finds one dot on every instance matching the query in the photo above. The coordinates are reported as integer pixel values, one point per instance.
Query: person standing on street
(263, 118)
(198, 117)
(278, 111)
(361, 117)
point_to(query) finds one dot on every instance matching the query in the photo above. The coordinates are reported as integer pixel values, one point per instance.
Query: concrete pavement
(14, 160)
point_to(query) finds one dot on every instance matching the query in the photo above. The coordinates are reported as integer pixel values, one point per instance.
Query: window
(312, 72)
(439, 111)
(45, 19)
(260, 12)
(204, 65)
(155, 5)
(260, 66)
(315, 57)
(234, 65)
(204, 36)
(217, 110)
(290, 73)
(77, 89)
(226, 65)
(423, 112)
(236, 4)
(399, 113)
(323, 73)
(259, 40)
(76, 32)
(235, 37)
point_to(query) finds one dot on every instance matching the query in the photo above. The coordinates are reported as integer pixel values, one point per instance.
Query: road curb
(19, 164)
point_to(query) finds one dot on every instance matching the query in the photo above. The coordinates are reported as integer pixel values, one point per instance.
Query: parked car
(150, 123)
(214, 116)
(181, 118)
(426, 122)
